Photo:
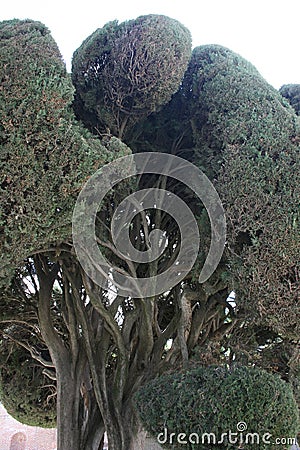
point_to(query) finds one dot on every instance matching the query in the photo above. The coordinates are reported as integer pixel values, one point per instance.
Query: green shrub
(123, 72)
(216, 400)
(232, 105)
(27, 394)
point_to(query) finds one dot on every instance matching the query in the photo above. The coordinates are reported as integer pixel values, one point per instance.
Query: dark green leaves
(124, 72)
(215, 400)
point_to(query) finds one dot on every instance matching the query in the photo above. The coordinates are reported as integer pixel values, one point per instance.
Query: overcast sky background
(265, 32)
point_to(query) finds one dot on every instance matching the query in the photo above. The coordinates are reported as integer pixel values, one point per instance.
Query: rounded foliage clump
(27, 394)
(123, 72)
(203, 403)
(247, 139)
(231, 104)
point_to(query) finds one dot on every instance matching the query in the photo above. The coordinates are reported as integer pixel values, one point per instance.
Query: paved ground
(16, 436)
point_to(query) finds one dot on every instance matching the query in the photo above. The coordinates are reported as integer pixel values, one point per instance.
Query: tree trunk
(79, 425)
(130, 441)
(126, 433)
(79, 422)
(93, 436)
(138, 441)
(68, 426)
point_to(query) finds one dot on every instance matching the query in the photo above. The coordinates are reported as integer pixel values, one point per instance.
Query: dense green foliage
(123, 72)
(292, 93)
(247, 137)
(230, 104)
(257, 345)
(45, 155)
(27, 394)
(215, 400)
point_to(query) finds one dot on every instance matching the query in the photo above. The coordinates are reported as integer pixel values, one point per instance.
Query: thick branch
(46, 278)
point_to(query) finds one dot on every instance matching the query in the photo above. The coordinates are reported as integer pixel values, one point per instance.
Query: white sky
(266, 32)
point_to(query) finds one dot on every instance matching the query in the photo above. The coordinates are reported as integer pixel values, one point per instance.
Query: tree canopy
(123, 72)
(244, 135)
(45, 154)
(250, 138)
